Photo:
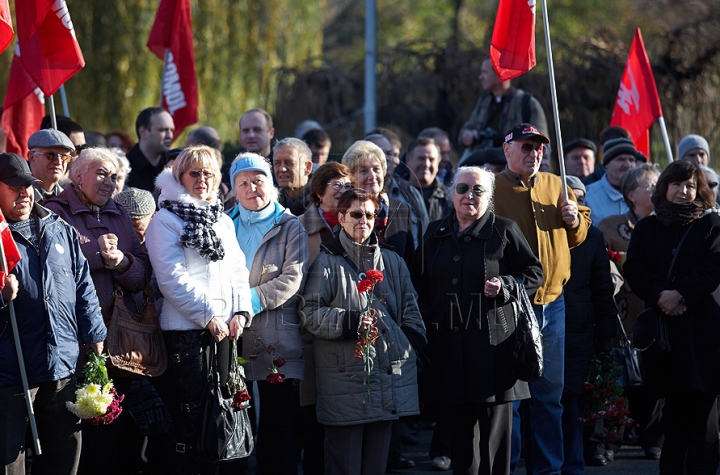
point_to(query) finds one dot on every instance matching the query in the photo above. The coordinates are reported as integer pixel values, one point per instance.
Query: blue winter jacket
(56, 307)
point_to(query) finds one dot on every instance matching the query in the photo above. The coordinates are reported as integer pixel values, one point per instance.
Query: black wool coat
(694, 360)
(590, 311)
(471, 337)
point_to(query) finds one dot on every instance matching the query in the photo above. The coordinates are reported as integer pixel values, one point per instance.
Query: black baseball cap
(14, 170)
(525, 131)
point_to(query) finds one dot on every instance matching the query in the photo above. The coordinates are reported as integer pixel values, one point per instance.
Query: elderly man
(604, 197)
(498, 109)
(580, 157)
(58, 312)
(292, 166)
(694, 148)
(154, 127)
(442, 139)
(552, 227)
(423, 160)
(257, 132)
(49, 154)
(140, 205)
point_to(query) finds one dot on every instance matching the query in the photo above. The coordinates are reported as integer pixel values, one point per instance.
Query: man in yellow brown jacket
(552, 226)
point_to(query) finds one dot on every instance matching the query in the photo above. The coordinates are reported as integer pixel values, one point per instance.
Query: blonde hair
(89, 156)
(197, 155)
(364, 151)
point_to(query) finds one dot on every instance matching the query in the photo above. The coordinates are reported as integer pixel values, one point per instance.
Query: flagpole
(63, 98)
(21, 360)
(53, 117)
(666, 139)
(553, 94)
(162, 80)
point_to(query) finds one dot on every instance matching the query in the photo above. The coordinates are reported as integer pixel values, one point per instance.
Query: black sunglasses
(360, 214)
(462, 188)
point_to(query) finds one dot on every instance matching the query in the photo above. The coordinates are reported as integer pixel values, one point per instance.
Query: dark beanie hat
(616, 147)
(585, 143)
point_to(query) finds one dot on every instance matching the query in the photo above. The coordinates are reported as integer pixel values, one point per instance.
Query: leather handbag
(226, 434)
(135, 342)
(627, 356)
(528, 350)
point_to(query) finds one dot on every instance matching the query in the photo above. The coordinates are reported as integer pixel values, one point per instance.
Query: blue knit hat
(690, 142)
(248, 162)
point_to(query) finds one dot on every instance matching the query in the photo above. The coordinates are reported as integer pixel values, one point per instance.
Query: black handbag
(650, 333)
(528, 351)
(226, 434)
(628, 357)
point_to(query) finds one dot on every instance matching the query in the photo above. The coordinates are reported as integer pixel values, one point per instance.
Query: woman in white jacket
(202, 275)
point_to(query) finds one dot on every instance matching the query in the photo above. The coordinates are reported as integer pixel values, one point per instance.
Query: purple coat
(111, 219)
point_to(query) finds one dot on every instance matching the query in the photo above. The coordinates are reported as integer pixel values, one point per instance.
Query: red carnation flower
(275, 378)
(279, 362)
(364, 285)
(375, 276)
(239, 398)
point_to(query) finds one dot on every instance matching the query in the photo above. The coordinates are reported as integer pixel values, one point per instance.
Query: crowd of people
(273, 249)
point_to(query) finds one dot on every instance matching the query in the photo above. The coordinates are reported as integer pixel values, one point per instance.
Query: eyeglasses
(653, 186)
(712, 184)
(341, 186)
(196, 174)
(64, 157)
(528, 147)
(360, 214)
(462, 188)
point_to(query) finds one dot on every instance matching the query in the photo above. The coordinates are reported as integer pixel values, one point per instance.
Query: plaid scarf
(199, 233)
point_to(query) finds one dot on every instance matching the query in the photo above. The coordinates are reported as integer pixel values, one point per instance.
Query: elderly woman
(202, 275)
(116, 260)
(466, 276)
(123, 171)
(357, 402)
(275, 247)
(673, 265)
(393, 220)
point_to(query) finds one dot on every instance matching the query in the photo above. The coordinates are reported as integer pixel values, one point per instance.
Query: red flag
(9, 248)
(51, 53)
(6, 29)
(512, 48)
(638, 104)
(23, 109)
(173, 30)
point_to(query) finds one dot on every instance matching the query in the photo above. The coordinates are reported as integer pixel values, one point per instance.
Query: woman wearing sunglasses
(466, 276)
(357, 408)
(202, 275)
(393, 220)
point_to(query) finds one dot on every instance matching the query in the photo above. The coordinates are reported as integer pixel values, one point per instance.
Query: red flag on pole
(51, 53)
(6, 29)
(638, 104)
(23, 109)
(172, 34)
(512, 48)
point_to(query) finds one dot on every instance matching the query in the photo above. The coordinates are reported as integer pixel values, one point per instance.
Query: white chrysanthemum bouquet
(96, 399)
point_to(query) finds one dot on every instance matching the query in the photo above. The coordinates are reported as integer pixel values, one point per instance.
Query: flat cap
(138, 203)
(47, 138)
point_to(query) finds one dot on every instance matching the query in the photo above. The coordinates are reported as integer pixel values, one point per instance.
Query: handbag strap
(676, 251)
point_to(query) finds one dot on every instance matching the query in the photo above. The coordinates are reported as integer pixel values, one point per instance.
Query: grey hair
(484, 174)
(88, 157)
(302, 148)
(123, 162)
(709, 170)
(631, 179)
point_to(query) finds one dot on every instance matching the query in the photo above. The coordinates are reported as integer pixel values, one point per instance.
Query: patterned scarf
(199, 233)
(677, 214)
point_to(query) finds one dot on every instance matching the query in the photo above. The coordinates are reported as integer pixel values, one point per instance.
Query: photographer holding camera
(497, 110)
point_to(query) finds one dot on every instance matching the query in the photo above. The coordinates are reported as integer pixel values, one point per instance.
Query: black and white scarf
(199, 233)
